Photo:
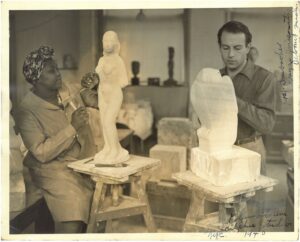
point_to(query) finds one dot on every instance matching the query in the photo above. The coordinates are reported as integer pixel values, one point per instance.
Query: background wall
(68, 32)
(268, 28)
(147, 41)
(203, 48)
(269, 31)
(192, 32)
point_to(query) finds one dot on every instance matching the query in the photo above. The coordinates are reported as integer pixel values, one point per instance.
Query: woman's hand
(80, 117)
(89, 98)
(90, 80)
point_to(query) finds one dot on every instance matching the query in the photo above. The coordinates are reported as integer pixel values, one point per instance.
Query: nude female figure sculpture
(113, 76)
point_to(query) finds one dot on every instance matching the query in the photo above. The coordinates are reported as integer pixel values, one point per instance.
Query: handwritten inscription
(292, 36)
(282, 80)
(279, 52)
(272, 219)
(215, 235)
(253, 234)
(295, 11)
(222, 235)
(288, 53)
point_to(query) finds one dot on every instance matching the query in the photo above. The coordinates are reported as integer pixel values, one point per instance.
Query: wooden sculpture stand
(116, 205)
(229, 198)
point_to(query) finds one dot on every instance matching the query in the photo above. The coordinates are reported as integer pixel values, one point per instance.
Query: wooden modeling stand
(230, 197)
(116, 205)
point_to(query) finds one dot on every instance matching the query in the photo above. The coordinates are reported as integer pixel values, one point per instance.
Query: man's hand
(80, 117)
(90, 80)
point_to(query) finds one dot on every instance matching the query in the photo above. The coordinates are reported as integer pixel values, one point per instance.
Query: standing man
(255, 93)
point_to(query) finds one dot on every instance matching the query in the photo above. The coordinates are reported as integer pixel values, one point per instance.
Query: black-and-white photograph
(171, 122)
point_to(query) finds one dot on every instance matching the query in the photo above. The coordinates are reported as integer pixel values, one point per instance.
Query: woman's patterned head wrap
(34, 63)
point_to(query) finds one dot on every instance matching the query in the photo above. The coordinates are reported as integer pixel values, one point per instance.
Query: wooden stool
(230, 198)
(117, 205)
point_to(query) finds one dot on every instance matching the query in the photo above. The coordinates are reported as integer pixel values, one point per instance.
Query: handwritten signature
(279, 52)
(274, 219)
(292, 38)
(289, 51)
(295, 11)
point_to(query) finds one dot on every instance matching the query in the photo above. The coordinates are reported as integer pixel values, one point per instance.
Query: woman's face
(109, 42)
(50, 76)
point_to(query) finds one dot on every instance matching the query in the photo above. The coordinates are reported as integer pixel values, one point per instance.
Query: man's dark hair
(235, 27)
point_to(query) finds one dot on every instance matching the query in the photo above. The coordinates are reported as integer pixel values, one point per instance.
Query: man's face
(233, 50)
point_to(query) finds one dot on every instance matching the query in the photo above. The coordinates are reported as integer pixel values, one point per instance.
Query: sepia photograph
(150, 121)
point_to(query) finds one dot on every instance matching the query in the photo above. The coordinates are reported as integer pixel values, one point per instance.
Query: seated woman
(52, 143)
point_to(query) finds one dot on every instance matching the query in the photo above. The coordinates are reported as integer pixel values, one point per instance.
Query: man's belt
(247, 140)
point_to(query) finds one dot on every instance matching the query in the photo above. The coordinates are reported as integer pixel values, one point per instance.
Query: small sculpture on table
(170, 81)
(69, 62)
(135, 67)
(153, 81)
(113, 76)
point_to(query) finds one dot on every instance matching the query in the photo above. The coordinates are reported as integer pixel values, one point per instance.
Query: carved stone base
(226, 168)
(121, 157)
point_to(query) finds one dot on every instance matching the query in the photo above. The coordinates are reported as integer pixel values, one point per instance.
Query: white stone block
(173, 159)
(226, 168)
(176, 131)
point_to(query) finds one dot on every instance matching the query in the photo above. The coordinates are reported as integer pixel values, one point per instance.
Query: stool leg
(144, 199)
(115, 195)
(227, 216)
(196, 210)
(142, 146)
(97, 198)
(226, 213)
(108, 227)
(241, 212)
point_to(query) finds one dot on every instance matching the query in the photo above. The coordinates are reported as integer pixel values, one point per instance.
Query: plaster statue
(217, 159)
(112, 72)
(137, 115)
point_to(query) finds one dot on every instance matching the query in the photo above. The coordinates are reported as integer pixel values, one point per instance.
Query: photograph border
(6, 6)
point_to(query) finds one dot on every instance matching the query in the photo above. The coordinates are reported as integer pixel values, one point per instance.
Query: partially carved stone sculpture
(217, 159)
(113, 76)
